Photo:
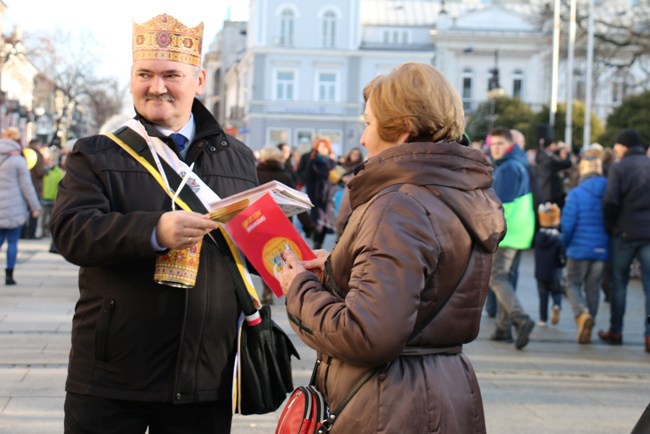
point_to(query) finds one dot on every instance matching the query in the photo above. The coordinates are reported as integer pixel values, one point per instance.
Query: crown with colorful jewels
(165, 38)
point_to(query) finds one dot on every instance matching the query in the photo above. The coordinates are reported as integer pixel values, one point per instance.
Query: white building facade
(305, 64)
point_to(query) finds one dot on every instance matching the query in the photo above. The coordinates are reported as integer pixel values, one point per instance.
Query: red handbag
(307, 411)
(304, 412)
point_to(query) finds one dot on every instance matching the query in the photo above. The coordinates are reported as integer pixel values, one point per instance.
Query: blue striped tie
(180, 140)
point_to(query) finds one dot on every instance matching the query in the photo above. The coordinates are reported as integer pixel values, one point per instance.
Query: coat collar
(445, 163)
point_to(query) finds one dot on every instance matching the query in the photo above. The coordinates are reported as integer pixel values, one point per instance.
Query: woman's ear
(404, 137)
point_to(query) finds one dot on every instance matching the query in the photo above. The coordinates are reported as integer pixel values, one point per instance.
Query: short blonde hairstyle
(11, 133)
(415, 98)
(590, 164)
(271, 153)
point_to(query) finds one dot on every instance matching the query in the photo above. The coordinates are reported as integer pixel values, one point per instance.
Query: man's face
(499, 146)
(163, 91)
(286, 152)
(619, 151)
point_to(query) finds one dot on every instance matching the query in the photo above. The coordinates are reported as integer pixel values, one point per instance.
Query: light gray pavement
(553, 386)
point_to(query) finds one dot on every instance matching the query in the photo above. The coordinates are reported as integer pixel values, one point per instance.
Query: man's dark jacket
(627, 198)
(133, 339)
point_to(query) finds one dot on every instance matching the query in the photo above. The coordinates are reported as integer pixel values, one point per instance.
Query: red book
(262, 232)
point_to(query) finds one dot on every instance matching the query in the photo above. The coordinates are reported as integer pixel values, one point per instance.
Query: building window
(217, 82)
(468, 80)
(303, 139)
(284, 85)
(619, 91)
(277, 135)
(336, 139)
(329, 29)
(518, 84)
(620, 86)
(327, 84)
(396, 37)
(287, 19)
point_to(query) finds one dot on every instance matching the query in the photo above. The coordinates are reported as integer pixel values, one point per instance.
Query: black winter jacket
(550, 187)
(627, 199)
(133, 339)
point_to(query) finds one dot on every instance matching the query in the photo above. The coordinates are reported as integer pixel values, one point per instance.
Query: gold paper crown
(165, 38)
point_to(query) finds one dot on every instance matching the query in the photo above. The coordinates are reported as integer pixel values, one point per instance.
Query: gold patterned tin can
(178, 268)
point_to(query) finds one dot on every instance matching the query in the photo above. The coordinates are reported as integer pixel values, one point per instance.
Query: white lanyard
(131, 123)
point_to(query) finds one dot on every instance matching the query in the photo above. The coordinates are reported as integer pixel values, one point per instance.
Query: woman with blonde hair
(403, 288)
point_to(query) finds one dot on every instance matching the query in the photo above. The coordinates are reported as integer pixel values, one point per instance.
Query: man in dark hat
(627, 211)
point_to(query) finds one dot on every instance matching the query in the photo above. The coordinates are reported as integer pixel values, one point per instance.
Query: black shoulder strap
(139, 145)
(464, 276)
(426, 322)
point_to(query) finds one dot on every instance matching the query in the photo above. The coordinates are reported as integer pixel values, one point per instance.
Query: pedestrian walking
(18, 201)
(626, 207)
(587, 244)
(512, 186)
(320, 190)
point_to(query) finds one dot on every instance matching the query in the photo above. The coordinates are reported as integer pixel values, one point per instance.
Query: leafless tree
(621, 32)
(70, 61)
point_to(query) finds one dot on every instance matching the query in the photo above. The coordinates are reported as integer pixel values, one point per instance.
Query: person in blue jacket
(587, 244)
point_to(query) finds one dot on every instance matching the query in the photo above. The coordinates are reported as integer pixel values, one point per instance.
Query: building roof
(466, 14)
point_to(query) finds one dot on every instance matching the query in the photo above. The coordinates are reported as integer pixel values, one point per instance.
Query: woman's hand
(293, 267)
(317, 265)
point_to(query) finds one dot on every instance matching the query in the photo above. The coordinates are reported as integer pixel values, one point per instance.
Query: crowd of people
(585, 215)
(426, 226)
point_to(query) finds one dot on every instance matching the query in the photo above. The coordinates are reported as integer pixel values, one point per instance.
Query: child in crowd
(549, 260)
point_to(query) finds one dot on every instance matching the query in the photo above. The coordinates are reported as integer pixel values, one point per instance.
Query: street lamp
(494, 90)
(493, 83)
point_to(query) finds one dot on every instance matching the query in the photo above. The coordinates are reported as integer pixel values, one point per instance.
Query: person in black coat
(551, 161)
(626, 207)
(320, 190)
(145, 354)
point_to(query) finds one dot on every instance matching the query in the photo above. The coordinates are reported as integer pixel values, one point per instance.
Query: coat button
(213, 148)
(224, 143)
(178, 396)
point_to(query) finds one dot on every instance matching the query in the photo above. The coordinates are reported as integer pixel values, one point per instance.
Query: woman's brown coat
(424, 215)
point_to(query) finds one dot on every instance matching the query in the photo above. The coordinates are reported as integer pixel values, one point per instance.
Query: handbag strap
(426, 322)
(326, 424)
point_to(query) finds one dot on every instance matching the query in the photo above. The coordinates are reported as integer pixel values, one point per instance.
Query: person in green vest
(512, 186)
(50, 189)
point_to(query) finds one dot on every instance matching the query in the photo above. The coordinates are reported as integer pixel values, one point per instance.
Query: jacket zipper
(102, 330)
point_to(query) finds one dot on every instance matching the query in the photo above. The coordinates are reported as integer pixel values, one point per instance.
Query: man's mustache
(162, 97)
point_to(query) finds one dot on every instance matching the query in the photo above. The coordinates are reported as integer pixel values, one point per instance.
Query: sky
(109, 24)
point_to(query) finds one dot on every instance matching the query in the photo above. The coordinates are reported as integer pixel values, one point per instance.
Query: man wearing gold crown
(147, 355)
